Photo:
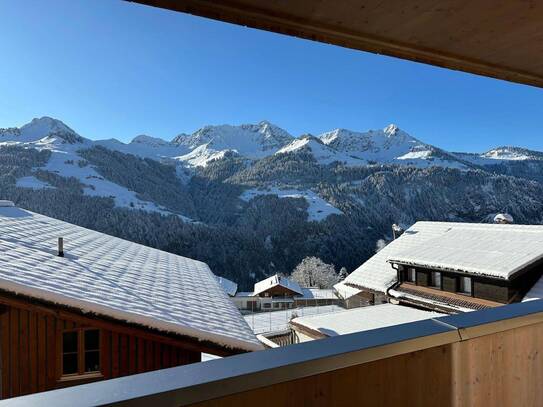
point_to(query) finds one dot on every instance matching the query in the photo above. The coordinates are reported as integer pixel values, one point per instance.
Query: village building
(229, 287)
(355, 320)
(277, 293)
(78, 306)
(456, 267)
(353, 297)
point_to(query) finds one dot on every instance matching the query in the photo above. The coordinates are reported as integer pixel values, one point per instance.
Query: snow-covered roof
(471, 247)
(318, 294)
(228, 286)
(363, 319)
(346, 291)
(495, 250)
(274, 281)
(109, 276)
(275, 321)
(376, 273)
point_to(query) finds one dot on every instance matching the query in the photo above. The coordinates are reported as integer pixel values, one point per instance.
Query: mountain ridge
(252, 200)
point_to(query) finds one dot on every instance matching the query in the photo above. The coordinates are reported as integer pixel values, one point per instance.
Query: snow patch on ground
(318, 208)
(66, 162)
(32, 182)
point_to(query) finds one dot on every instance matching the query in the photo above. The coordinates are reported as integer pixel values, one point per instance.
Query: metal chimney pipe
(61, 247)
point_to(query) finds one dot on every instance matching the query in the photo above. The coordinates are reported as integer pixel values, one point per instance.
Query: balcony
(489, 357)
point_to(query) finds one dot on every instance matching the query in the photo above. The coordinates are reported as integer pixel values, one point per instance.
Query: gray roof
(109, 276)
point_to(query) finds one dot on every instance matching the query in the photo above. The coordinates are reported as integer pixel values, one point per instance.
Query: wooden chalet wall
(492, 289)
(31, 354)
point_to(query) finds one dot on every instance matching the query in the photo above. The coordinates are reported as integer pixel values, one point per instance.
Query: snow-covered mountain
(250, 142)
(38, 129)
(502, 154)
(322, 153)
(253, 200)
(390, 145)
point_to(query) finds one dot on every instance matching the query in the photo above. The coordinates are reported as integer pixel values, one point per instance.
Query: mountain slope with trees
(251, 216)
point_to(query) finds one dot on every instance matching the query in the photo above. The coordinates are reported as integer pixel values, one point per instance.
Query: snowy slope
(502, 154)
(32, 183)
(318, 208)
(146, 147)
(63, 143)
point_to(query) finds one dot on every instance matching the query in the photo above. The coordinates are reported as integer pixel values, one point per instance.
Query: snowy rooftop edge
(493, 250)
(105, 275)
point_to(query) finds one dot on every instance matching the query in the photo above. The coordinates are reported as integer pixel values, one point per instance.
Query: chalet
(455, 267)
(353, 297)
(278, 292)
(355, 320)
(79, 306)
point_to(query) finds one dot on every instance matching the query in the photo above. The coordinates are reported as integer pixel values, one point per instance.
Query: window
(435, 279)
(411, 275)
(80, 352)
(267, 305)
(465, 285)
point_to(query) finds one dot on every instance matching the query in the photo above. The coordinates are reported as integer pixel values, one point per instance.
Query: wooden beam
(501, 40)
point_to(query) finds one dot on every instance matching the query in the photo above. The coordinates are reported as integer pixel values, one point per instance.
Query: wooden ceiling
(497, 38)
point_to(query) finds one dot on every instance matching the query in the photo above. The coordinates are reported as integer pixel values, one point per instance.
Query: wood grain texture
(500, 370)
(31, 350)
(500, 39)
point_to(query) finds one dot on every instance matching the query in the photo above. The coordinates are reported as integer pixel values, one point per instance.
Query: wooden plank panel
(52, 360)
(6, 353)
(158, 355)
(115, 356)
(42, 353)
(124, 354)
(149, 356)
(166, 350)
(141, 356)
(132, 354)
(15, 353)
(33, 351)
(105, 353)
(397, 381)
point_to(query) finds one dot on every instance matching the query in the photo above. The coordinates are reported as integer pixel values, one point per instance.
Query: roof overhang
(502, 40)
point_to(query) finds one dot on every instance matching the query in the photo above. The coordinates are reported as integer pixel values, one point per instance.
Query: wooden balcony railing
(492, 357)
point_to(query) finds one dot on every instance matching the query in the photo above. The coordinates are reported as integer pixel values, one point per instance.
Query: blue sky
(116, 69)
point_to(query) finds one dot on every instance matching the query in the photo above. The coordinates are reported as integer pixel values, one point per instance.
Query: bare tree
(313, 272)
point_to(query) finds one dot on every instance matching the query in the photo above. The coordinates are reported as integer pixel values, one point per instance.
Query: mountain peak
(41, 127)
(149, 140)
(391, 130)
